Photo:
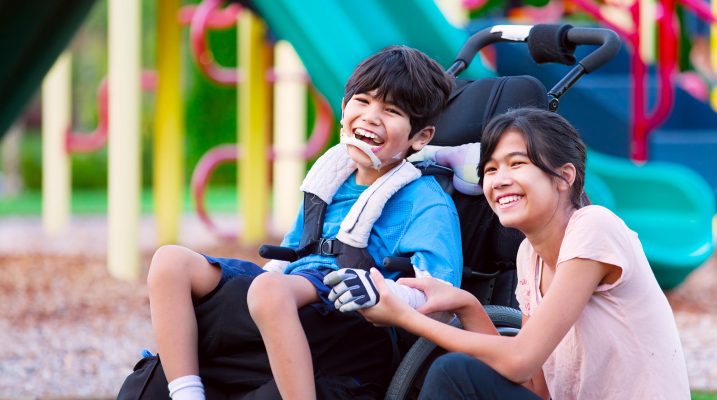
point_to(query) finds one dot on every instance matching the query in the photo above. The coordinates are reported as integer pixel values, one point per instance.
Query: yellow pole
(168, 150)
(124, 139)
(289, 135)
(454, 12)
(253, 103)
(56, 179)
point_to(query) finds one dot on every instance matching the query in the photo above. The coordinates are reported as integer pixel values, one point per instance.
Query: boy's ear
(567, 172)
(343, 105)
(422, 138)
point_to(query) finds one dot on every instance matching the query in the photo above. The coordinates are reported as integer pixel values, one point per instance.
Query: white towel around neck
(333, 168)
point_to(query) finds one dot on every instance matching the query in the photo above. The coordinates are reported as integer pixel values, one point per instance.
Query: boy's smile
(368, 137)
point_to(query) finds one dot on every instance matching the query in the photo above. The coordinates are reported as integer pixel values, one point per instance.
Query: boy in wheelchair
(362, 201)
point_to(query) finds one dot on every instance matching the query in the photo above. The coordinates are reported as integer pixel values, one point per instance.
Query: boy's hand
(463, 160)
(351, 289)
(390, 310)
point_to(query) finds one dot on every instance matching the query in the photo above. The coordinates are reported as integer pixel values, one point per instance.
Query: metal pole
(124, 139)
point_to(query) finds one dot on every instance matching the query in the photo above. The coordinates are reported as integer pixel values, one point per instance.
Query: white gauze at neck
(346, 139)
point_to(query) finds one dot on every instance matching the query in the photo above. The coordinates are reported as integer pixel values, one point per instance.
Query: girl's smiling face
(385, 128)
(522, 195)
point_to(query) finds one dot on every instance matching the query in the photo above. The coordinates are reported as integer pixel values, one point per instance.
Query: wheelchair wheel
(409, 376)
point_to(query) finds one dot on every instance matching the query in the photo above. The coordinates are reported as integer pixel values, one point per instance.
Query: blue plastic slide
(668, 205)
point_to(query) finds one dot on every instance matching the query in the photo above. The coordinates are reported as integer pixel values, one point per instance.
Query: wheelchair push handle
(392, 263)
(547, 42)
(607, 40)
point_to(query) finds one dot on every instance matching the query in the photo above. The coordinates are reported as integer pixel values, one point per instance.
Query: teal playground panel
(669, 206)
(331, 37)
(33, 33)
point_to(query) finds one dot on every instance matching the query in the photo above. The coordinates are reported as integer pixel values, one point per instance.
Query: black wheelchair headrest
(473, 103)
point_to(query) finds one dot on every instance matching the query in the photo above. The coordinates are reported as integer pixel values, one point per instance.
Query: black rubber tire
(405, 385)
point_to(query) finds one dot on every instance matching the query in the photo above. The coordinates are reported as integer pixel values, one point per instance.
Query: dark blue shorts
(316, 277)
(233, 267)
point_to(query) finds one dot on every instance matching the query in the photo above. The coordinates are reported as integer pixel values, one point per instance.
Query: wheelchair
(489, 249)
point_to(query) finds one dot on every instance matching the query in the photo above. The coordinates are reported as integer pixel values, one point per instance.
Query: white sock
(188, 387)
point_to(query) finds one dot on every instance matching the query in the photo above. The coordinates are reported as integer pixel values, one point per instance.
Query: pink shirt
(625, 344)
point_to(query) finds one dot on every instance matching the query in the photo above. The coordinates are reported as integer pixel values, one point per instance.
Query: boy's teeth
(366, 133)
(374, 137)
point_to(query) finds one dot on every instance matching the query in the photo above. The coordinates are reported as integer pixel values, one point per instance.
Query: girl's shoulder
(595, 217)
(593, 211)
(596, 233)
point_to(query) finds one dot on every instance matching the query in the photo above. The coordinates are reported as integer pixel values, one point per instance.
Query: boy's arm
(433, 238)
(353, 289)
(463, 160)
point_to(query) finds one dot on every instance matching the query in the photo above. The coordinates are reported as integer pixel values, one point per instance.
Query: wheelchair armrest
(399, 264)
(278, 253)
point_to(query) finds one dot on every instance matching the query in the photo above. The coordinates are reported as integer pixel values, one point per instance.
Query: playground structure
(663, 203)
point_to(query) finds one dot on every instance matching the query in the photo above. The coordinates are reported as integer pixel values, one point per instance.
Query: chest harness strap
(320, 184)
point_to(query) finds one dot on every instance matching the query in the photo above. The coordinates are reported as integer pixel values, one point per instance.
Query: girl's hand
(389, 309)
(440, 296)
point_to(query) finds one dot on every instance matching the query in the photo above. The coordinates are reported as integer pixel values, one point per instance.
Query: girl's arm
(517, 358)
(441, 297)
(537, 383)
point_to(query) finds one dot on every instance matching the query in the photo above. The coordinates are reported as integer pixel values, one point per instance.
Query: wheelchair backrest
(489, 249)
(473, 103)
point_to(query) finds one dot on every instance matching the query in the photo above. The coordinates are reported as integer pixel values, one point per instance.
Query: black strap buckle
(326, 247)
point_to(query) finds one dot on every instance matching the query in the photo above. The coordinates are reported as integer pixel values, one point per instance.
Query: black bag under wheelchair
(352, 359)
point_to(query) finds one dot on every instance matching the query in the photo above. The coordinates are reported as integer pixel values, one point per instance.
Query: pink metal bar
(218, 19)
(200, 49)
(223, 154)
(322, 125)
(643, 122)
(593, 9)
(77, 142)
(701, 9)
(229, 153)
(323, 120)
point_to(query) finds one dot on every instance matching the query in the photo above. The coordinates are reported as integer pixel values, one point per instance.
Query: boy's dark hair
(550, 140)
(407, 78)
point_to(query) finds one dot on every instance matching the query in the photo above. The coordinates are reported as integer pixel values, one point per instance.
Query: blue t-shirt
(420, 218)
